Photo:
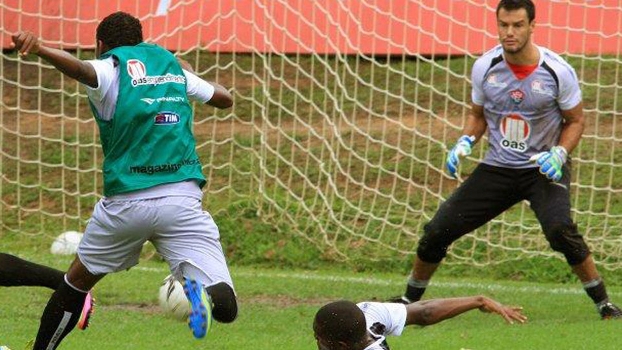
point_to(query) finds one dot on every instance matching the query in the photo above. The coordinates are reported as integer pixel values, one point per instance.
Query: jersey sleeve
(392, 316)
(477, 82)
(197, 88)
(569, 89)
(106, 74)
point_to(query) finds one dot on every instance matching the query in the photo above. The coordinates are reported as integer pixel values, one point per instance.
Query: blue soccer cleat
(200, 318)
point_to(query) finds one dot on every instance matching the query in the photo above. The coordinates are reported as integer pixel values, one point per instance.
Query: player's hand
(25, 43)
(461, 149)
(551, 162)
(509, 313)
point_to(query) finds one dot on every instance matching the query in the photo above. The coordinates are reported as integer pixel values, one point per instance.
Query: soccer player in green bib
(138, 94)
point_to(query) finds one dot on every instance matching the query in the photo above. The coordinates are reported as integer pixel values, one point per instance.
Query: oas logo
(136, 69)
(517, 96)
(515, 131)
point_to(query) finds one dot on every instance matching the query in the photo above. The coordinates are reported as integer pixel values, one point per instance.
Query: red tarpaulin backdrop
(322, 26)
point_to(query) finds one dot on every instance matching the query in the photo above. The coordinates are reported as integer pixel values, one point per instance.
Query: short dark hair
(512, 5)
(340, 321)
(120, 29)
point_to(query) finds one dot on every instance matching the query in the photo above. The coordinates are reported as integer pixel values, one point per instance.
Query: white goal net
(343, 112)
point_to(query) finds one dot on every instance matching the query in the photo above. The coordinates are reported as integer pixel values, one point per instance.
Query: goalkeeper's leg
(551, 203)
(488, 192)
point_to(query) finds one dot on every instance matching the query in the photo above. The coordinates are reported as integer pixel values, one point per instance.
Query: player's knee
(225, 302)
(433, 246)
(565, 238)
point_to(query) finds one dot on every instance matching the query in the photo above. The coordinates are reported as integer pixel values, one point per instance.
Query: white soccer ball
(173, 300)
(66, 243)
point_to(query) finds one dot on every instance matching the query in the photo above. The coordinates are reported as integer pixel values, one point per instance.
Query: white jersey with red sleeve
(523, 115)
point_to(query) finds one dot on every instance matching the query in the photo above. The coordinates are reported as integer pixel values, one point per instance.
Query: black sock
(60, 316)
(595, 289)
(225, 304)
(415, 289)
(18, 272)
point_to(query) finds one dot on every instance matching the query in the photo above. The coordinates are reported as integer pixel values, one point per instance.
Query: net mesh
(343, 112)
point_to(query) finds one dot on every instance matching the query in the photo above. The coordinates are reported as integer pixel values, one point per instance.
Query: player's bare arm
(27, 43)
(222, 98)
(572, 130)
(432, 311)
(475, 124)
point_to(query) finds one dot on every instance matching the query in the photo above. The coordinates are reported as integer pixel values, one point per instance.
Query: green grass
(277, 309)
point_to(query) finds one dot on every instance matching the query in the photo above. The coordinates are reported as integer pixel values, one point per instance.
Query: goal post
(342, 117)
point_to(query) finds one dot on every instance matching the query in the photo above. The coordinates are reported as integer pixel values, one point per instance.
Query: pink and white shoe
(87, 311)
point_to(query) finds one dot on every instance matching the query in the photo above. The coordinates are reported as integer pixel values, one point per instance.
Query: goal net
(343, 114)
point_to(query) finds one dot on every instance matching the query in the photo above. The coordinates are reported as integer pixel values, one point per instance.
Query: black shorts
(490, 191)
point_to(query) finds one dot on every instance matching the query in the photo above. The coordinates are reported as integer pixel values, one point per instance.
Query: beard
(514, 49)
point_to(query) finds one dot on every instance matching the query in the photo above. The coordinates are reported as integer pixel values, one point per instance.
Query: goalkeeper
(529, 100)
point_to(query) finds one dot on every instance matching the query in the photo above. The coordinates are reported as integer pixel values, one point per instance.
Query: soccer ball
(173, 300)
(66, 243)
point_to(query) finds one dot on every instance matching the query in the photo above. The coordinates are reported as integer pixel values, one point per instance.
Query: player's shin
(60, 316)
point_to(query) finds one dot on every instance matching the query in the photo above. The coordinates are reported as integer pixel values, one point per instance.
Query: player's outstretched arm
(27, 43)
(428, 312)
(221, 97)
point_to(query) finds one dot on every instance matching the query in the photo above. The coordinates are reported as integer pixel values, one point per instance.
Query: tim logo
(517, 96)
(515, 131)
(166, 118)
(136, 69)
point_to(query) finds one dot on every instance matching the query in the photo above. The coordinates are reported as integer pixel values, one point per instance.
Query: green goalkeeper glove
(551, 162)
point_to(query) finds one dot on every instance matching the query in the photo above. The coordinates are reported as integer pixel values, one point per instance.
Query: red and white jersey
(383, 319)
(523, 115)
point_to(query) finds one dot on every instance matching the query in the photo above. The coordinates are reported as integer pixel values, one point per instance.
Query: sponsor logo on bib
(138, 72)
(165, 118)
(136, 69)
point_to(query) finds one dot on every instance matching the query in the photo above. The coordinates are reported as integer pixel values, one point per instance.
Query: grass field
(277, 309)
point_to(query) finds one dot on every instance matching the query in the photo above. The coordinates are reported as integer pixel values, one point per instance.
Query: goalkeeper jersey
(523, 115)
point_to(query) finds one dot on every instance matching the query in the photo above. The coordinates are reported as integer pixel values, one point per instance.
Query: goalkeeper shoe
(200, 318)
(87, 311)
(608, 311)
(400, 300)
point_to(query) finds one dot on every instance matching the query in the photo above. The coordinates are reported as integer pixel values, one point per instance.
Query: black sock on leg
(415, 289)
(19, 272)
(225, 303)
(60, 316)
(596, 290)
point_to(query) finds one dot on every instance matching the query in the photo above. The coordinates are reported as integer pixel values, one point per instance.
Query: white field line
(386, 282)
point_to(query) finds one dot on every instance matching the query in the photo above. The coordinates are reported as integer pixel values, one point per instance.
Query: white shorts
(176, 225)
